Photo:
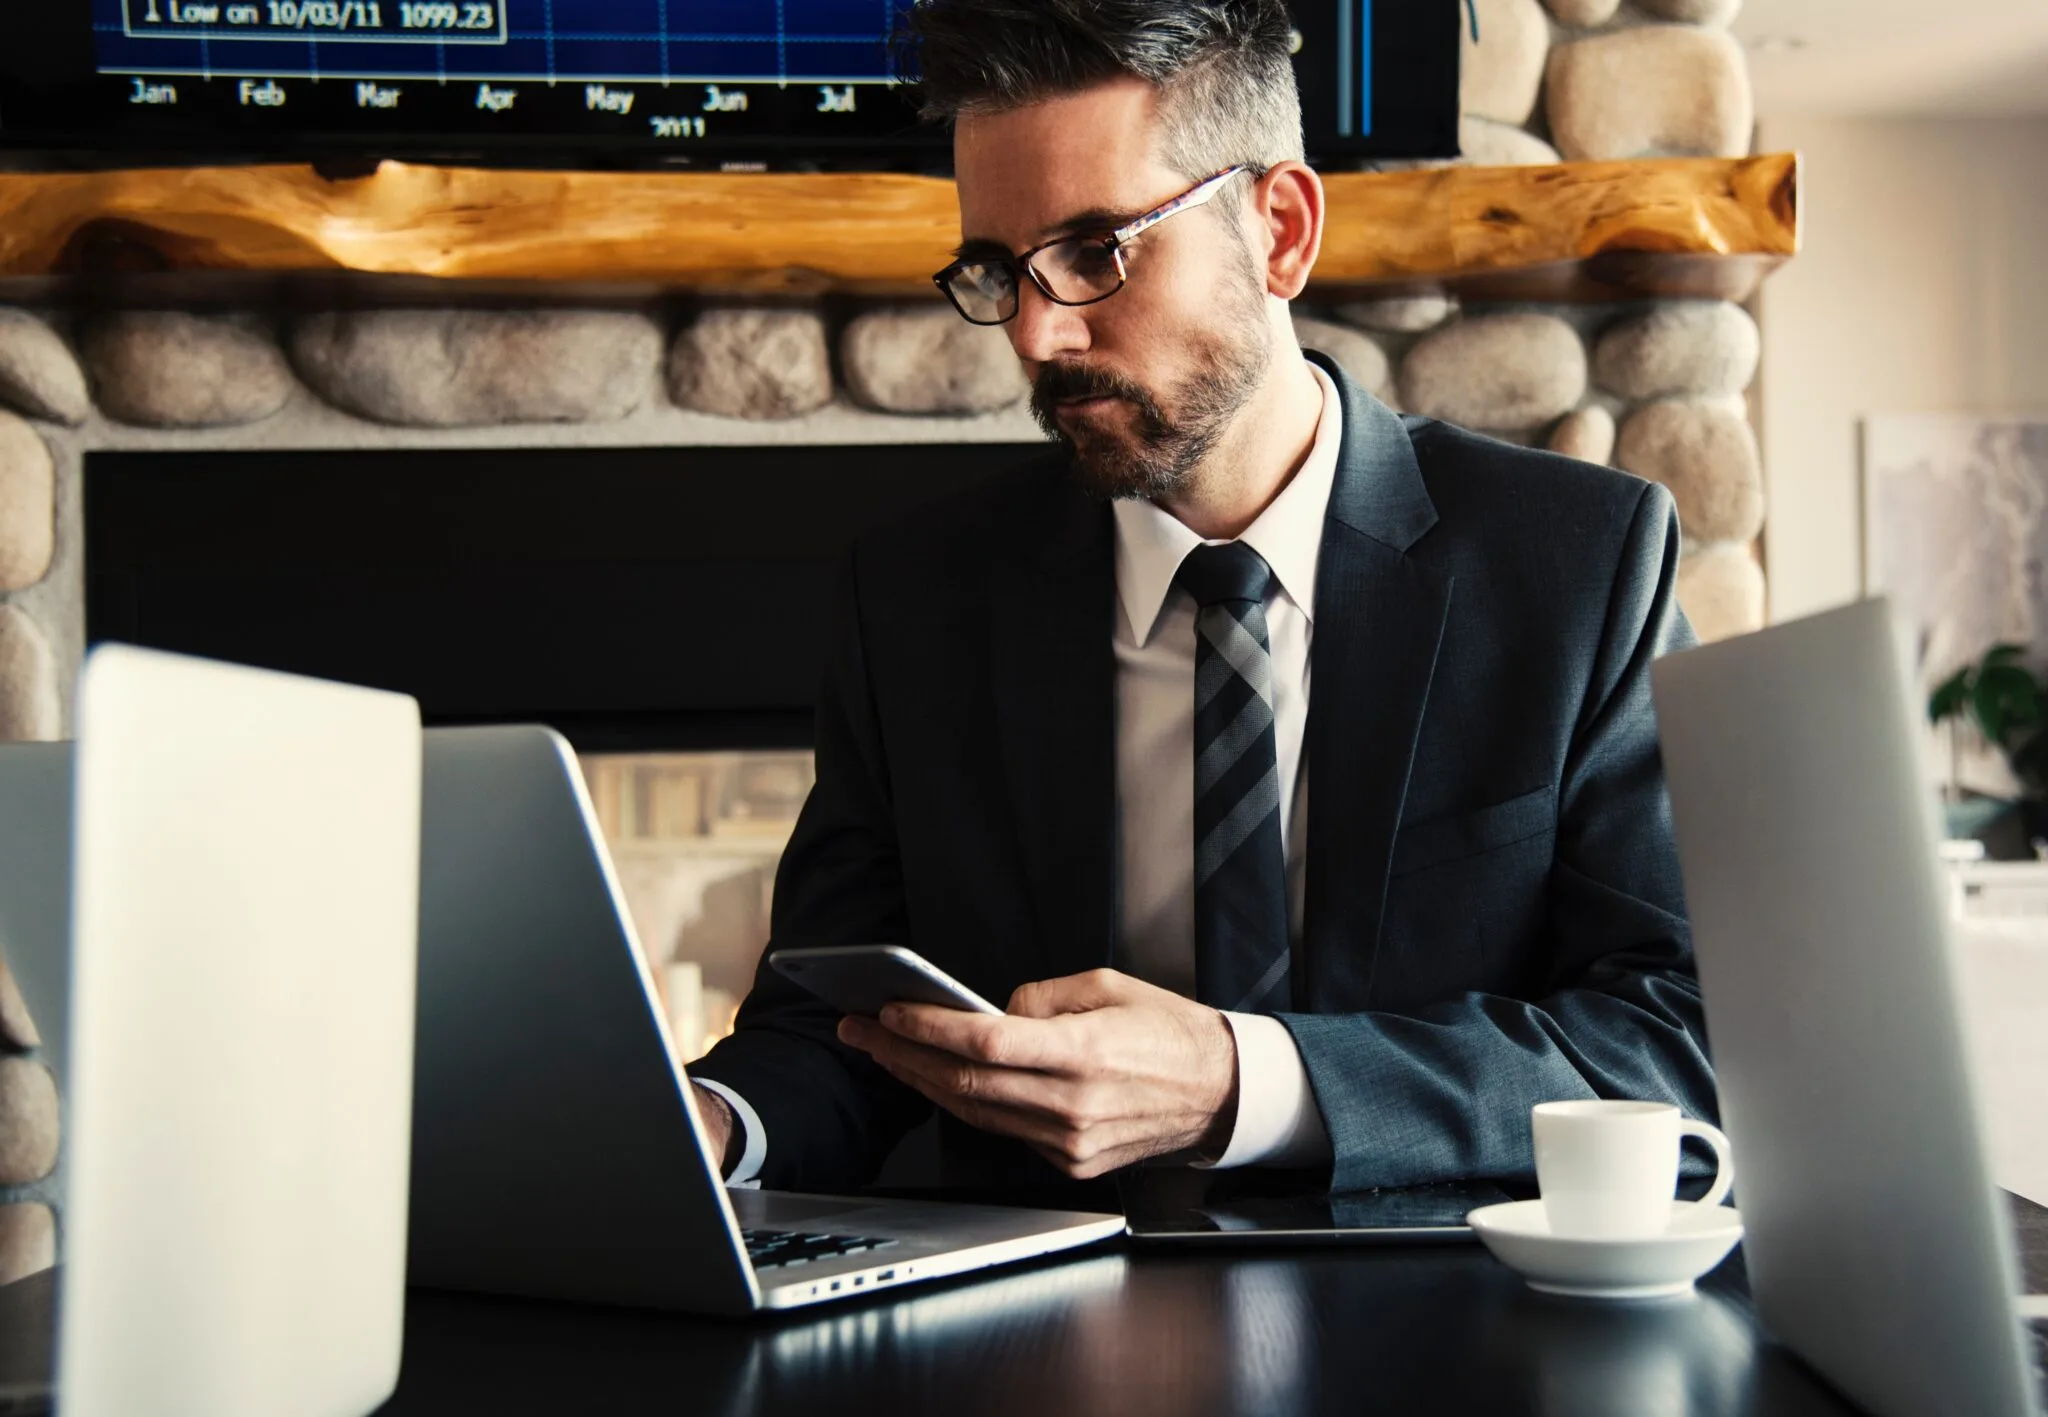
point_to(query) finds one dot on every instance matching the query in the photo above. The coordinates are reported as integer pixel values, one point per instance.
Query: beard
(1169, 439)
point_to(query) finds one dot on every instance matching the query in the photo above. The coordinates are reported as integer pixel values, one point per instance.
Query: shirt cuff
(1278, 1123)
(746, 1175)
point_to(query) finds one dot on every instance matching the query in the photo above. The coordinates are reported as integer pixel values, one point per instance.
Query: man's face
(1140, 386)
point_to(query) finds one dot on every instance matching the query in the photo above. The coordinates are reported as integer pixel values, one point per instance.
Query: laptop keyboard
(773, 1249)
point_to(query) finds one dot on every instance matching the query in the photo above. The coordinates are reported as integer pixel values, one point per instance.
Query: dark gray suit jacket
(1493, 914)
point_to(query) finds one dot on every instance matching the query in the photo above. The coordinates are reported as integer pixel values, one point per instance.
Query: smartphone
(859, 979)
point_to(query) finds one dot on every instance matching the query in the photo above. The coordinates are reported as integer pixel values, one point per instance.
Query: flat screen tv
(719, 84)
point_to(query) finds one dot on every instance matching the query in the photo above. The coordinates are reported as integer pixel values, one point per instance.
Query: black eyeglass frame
(1113, 241)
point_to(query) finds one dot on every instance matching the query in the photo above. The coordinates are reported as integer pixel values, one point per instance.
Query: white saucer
(1657, 1267)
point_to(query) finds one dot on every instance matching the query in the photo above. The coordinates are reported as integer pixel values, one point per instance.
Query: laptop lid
(556, 1148)
(1877, 1247)
(244, 903)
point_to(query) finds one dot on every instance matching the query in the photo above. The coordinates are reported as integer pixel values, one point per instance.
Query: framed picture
(1955, 532)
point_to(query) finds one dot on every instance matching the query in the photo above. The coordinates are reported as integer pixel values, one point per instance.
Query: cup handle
(1724, 1163)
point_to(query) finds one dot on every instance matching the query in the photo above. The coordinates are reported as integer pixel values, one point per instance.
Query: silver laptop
(211, 904)
(557, 1151)
(1877, 1248)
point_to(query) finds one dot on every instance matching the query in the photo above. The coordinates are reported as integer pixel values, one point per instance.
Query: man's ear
(1287, 207)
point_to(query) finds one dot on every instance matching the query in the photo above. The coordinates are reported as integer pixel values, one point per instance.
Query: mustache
(1059, 382)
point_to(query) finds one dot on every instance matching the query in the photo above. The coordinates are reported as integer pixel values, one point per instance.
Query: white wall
(1922, 287)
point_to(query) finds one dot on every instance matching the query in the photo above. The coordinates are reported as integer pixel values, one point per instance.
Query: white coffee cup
(1608, 1170)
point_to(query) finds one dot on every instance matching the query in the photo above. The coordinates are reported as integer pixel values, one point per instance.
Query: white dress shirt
(1277, 1119)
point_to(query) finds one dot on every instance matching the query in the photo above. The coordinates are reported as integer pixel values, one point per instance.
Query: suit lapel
(1055, 687)
(1379, 621)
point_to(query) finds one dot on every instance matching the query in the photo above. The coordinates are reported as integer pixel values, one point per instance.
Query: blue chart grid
(726, 41)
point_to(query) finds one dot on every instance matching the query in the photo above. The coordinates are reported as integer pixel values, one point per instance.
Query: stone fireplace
(1653, 385)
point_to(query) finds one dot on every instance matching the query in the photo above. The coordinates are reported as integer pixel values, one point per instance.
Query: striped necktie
(1241, 948)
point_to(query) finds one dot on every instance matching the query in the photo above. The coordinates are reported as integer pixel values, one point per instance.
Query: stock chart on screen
(636, 41)
(663, 69)
(747, 83)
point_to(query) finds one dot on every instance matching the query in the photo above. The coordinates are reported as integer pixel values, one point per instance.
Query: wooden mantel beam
(1580, 230)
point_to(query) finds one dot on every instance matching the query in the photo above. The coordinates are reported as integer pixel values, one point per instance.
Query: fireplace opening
(666, 609)
(633, 598)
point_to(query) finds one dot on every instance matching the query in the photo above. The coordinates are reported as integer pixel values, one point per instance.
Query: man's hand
(718, 1123)
(1094, 1071)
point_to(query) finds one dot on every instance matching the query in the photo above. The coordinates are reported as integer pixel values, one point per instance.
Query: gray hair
(1221, 67)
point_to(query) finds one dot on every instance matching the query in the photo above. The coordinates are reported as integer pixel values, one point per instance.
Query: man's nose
(1044, 329)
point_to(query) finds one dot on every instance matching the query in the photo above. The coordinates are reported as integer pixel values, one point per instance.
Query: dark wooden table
(1438, 1330)
(1442, 1330)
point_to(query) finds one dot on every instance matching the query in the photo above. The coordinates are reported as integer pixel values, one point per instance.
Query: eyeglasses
(1074, 270)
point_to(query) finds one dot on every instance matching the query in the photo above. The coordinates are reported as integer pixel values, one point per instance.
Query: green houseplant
(2009, 707)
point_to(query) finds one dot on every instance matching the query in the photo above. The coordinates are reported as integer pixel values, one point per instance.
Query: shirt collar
(1151, 542)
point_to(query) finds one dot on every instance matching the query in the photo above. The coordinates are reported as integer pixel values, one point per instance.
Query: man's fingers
(1057, 1118)
(1079, 1153)
(937, 1066)
(1097, 1069)
(1002, 1041)
(1071, 994)
(1058, 1099)
(1064, 1120)
(981, 1112)
(894, 1052)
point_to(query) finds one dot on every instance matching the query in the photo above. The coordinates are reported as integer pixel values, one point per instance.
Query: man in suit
(1067, 736)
